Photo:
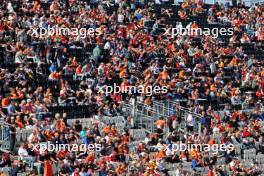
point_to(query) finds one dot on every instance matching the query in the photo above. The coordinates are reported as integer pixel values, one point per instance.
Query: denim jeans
(29, 160)
(39, 167)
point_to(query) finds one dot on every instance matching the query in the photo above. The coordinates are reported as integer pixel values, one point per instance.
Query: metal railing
(145, 116)
(173, 107)
(4, 135)
(4, 130)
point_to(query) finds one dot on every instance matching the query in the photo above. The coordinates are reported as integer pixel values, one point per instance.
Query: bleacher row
(119, 121)
(246, 156)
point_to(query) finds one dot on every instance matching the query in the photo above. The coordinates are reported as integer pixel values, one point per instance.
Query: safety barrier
(4, 135)
(145, 116)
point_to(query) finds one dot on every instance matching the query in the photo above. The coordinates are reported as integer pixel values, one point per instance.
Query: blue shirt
(194, 164)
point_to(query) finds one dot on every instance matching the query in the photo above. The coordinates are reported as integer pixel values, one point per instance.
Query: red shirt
(246, 133)
(210, 173)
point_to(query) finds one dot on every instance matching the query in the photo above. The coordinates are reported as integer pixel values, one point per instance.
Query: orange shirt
(5, 102)
(35, 7)
(181, 74)
(164, 75)
(49, 135)
(14, 95)
(234, 61)
(221, 65)
(160, 154)
(185, 5)
(211, 142)
(221, 128)
(79, 70)
(194, 153)
(160, 123)
(171, 47)
(198, 9)
(212, 88)
(106, 129)
(60, 126)
(89, 158)
(52, 75)
(140, 23)
(122, 74)
(182, 15)
(194, 25)
(19, 124)
(118, 169)
(48, 168)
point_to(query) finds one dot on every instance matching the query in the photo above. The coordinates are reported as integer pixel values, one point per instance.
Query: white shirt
(22, 152)
(190, 120)
(10, 8)
(107, 46)
(157, 2)
(216, 130)
(31, 137)
(120, 18)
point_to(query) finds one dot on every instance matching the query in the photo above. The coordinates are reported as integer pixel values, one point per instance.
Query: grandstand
(49, 87)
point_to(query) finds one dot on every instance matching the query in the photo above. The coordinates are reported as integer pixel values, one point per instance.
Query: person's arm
(39, 161)
(53, 160)
(12, 132)
(21, 153)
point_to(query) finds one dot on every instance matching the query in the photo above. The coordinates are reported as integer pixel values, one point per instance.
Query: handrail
(4, 123)
(160, 109)
(174, 103)
(4, 132)
(150, 109)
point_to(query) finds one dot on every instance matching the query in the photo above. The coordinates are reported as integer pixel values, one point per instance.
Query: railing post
(163, 109)
(199, 128)
(168, 113)
(2, 133)
(133, 112)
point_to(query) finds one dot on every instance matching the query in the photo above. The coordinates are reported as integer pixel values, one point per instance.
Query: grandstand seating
(144, 115)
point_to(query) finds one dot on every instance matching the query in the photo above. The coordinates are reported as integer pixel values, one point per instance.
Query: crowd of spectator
(218, 78)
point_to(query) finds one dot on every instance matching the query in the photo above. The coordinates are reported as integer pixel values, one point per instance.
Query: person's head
(43, 152)
(57, 116)
(35, 132)
(13, 119)
(23, 145)
(56, 135)
(62, 137)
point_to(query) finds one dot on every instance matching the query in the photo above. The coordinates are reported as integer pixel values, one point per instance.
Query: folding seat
(245, 156)
(260, 158)
(238, 149)
(22, 174)
(27, 133)
(70, 122)
(18, 136)
(187, 164)
(5, 145)
(253, 156)
(6, 169)
(261, 123)
(24, 135)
